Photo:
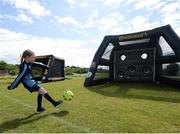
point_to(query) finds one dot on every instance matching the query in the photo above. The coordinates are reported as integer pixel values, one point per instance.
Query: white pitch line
(16, 101)
(70, 124)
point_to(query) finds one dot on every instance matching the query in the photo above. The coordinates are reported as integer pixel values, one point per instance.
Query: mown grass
(111, 107)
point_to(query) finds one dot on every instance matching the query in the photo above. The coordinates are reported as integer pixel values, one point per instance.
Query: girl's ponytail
(21, 57)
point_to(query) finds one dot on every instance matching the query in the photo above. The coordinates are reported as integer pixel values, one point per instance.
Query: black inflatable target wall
(147, 56)
(54, 72)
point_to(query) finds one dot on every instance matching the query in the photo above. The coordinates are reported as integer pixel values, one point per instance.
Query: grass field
(119, 107)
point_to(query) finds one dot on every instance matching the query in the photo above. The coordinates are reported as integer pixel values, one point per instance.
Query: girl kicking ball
(25, 76)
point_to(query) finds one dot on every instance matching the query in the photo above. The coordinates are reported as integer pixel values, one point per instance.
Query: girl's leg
(42, 91)
(39, 103)
(49, 98)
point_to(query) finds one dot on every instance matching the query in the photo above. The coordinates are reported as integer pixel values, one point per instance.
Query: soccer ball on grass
(68, 95)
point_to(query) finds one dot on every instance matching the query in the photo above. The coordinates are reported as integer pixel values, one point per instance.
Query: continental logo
(133, 36)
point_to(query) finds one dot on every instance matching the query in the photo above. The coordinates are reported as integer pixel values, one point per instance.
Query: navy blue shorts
(34, 88)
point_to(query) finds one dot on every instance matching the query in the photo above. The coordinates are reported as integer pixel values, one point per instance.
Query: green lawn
(120, 107)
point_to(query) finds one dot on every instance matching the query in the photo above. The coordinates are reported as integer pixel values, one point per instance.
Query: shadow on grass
(12, 124)
(146, 91)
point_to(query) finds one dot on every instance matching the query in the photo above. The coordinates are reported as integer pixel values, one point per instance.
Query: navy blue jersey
(27, 77)
(24, 76)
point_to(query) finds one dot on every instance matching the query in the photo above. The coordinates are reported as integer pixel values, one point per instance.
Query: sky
(74, 29)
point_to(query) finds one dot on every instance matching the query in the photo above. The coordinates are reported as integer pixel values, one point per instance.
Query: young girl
(25, 76)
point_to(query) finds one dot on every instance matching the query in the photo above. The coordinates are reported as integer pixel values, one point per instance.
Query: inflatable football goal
(51, 69)
(147, 56)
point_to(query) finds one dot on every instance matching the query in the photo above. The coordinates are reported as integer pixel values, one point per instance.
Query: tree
(73, 69)
(12, 69)
(3, 65)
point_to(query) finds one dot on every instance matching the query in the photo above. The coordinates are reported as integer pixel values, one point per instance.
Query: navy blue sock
(48, 97)
(39, 100)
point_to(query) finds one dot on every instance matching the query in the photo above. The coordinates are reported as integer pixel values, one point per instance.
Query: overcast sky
(74, 29)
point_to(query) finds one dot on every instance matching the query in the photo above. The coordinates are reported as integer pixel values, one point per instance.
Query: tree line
(14, 69)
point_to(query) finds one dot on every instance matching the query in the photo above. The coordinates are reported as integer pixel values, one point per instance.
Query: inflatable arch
(147, 56)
